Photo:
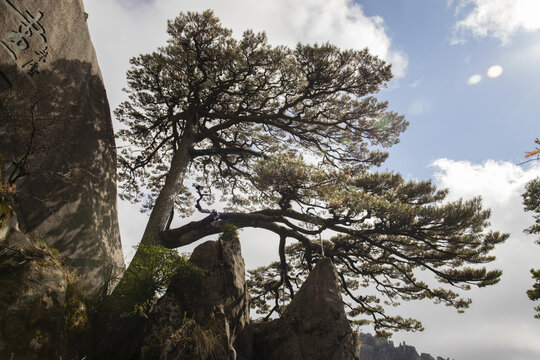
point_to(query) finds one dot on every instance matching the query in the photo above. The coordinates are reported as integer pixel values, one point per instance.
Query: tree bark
(161, 212)
(195, 230)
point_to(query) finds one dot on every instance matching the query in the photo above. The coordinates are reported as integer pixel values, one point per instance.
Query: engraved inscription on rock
(26, 42)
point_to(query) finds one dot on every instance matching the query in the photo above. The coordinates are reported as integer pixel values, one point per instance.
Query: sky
(468, 81)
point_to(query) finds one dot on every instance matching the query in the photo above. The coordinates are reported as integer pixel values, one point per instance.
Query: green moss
(77, 324)
(42, 244)
(75, 310)
(53, 259)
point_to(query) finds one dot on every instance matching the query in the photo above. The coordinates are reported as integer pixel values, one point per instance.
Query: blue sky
(497, 118)
(465, 137)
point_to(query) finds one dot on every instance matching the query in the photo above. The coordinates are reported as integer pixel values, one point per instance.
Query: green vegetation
(230, 232)
(42, 245)
(531, 200)
(118, 320)
(534, 293)
(149, 275)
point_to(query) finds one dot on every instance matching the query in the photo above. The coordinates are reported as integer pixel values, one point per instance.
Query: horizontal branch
(196, 230)
(226, 151)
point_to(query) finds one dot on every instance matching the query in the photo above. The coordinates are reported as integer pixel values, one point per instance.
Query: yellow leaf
(532, 153)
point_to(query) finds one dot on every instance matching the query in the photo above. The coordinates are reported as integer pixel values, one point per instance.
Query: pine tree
(531, 200)
(290, 138)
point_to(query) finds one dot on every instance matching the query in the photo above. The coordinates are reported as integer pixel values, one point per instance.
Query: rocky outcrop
(203, 315)
(377, 349)
(314, 326)
(56, 135)
(205, 312)
(32, 298)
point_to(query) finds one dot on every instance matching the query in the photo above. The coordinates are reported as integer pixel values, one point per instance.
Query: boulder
(32, 298)
(205, 312)
(314, 325)
(56, 135)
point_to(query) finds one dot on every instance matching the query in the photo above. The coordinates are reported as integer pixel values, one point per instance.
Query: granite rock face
(56, 134)
(207, 309)
(313, 327)
(32, 298)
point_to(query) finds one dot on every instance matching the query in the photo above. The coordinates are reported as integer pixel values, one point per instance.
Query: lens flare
(475, 79)
(495, 71)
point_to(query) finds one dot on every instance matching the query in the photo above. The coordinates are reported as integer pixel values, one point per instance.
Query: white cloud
(492, 178)
(499, 183)
(341, 22)
(122, 29)
(500, 19)
(483, 331)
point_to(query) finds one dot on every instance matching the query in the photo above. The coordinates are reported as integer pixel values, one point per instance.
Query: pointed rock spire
(314, 325)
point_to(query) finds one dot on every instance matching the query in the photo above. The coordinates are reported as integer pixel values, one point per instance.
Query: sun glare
(495, 71)
(475, 79)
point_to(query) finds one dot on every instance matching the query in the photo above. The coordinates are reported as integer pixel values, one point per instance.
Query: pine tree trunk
(165, 201)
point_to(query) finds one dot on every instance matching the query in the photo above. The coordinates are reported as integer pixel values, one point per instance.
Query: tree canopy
(215, 103)
(531, 200)
(290, 139)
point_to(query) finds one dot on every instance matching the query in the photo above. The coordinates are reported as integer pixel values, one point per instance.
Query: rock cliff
(377, 349)
(56, 135)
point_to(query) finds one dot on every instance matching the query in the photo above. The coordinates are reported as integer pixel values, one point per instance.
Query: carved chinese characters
(26, 42)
